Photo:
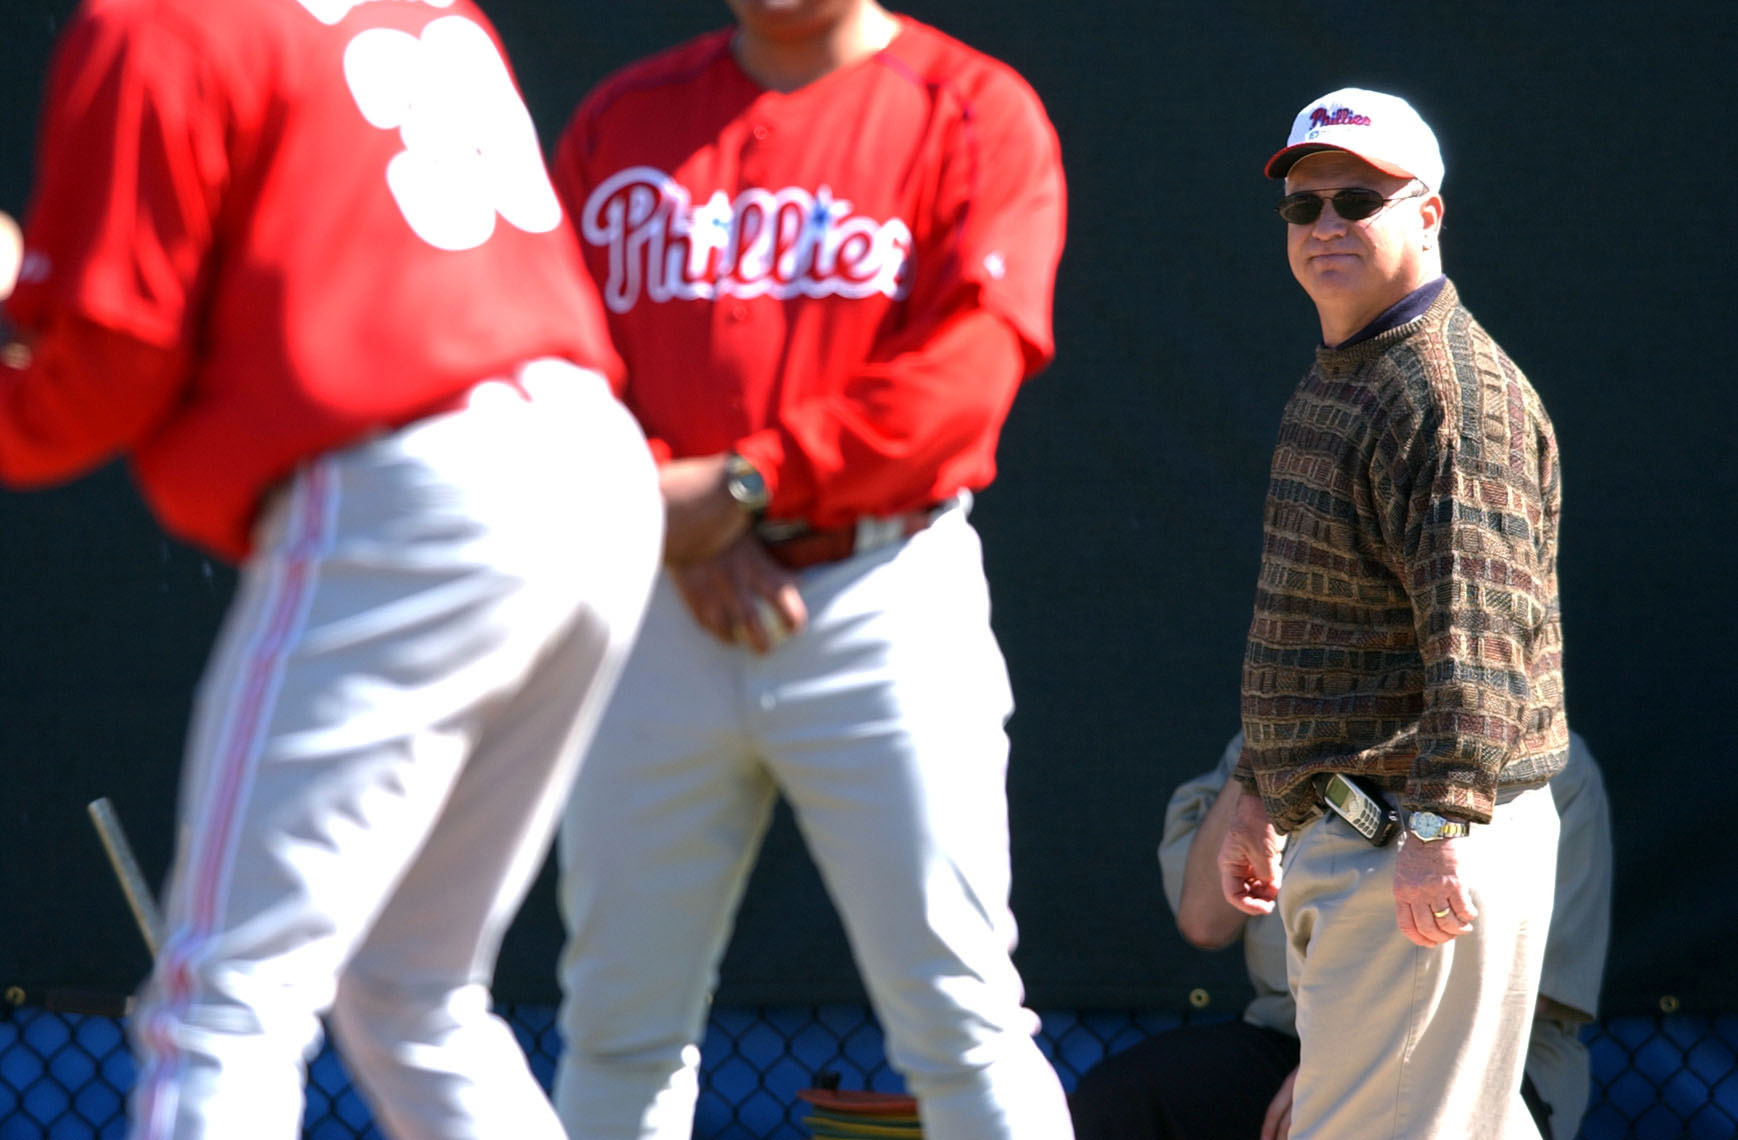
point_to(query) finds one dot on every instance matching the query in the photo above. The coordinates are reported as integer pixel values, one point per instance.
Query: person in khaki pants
(1406, 640)
(1233, 1080)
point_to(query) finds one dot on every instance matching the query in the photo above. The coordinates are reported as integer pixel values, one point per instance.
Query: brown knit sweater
(1406, 620)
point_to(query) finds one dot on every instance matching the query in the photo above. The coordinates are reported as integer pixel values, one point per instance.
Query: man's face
(789, 19)
(1361, 267)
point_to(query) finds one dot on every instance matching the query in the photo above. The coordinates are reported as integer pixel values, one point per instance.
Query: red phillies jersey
(824, 279)
(312, 219)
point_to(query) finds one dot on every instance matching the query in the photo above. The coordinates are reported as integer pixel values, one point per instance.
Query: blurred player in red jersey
(827, 240)
(301, 261)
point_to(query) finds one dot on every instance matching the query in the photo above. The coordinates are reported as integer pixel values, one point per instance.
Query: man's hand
(700, 517)
(1276, 1125)
(1204, 918)
(1249, 858)
(725, 592)
(1431, 903)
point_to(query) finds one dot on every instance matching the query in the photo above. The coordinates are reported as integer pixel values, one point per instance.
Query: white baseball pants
(381, 746)
(882, 724)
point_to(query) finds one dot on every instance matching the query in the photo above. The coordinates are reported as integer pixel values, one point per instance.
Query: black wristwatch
(745, 484)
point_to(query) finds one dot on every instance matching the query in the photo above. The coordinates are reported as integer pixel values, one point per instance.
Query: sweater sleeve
(1457, 481)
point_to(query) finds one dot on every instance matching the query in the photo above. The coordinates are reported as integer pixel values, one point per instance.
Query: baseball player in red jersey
(827, 240)
(302, 262)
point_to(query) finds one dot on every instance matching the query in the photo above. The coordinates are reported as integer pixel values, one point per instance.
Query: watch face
(1429, 825)
(1425, 824)
(745, 484)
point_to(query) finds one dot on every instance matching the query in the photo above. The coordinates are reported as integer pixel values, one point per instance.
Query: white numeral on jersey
(470, 148)
(331, 12)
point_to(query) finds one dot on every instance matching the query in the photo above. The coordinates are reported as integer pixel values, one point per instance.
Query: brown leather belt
(835, 544)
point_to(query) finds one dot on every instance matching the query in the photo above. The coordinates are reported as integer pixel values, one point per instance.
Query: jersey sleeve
(130, 171)
(920, 418)
(1004, 191)
(62, 411)
(938, 392)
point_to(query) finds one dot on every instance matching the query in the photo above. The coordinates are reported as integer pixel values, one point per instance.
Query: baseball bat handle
(126, 867)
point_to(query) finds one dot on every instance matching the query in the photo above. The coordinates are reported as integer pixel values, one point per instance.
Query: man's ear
(1432, 212)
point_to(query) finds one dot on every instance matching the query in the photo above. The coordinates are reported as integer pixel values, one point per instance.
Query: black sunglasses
(1354, 204)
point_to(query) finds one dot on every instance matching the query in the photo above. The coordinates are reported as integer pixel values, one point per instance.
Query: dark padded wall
(1590, 156)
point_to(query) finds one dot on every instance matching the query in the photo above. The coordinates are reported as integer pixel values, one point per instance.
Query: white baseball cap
(1383, 130)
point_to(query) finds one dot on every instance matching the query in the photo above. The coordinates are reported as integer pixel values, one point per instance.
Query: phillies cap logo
(775, 243)
(1338, 117)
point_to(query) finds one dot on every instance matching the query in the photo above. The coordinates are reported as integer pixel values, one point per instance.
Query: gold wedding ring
(1443, 913)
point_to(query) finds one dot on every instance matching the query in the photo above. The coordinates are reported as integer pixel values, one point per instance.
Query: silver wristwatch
(1429, 826)
(745, 485)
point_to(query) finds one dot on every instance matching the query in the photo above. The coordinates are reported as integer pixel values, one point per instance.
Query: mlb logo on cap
(1383, 130)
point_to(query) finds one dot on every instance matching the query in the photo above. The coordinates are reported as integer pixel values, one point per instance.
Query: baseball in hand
(11, 254)
(772, 623)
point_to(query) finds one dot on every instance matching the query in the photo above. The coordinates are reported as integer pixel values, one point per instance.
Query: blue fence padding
(64, 1076)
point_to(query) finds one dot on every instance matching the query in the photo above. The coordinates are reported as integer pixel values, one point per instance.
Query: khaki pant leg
(1400, 1041)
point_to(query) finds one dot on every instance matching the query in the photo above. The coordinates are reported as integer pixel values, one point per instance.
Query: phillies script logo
(1343, 117)
(777, 243)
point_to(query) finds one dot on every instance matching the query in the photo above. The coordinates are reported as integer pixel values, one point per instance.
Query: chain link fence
(64, 1076)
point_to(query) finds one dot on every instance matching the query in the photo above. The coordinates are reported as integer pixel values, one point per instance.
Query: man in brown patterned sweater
(1406, 633)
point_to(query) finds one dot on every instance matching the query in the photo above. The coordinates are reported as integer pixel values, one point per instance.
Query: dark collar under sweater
(1395, 323)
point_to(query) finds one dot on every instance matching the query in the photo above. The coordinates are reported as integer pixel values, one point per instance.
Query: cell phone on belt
(1363, 808)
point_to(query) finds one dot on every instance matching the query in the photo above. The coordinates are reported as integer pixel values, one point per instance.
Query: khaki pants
(1400, 1041)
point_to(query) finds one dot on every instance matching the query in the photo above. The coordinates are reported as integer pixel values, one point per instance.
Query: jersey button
(761, 130)
(738, 311)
